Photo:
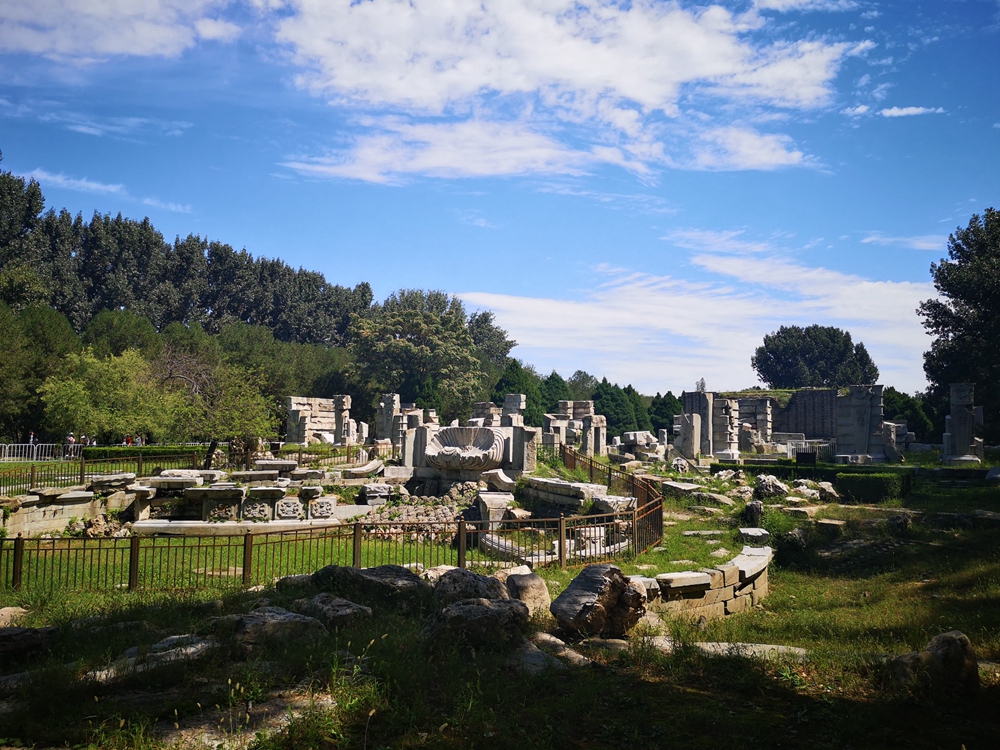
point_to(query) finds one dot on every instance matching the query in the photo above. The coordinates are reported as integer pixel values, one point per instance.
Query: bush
(131, 451)
(870, 488)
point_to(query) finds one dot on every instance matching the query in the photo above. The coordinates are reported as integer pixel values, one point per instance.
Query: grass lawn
(850, 601)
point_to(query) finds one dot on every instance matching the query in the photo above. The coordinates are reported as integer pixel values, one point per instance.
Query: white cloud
(855, 111)
(215, 29)
(921, 242)
(663, 332)
(167, 205)
(736, 148)
(87, 30)
(603, 82)
(78, 184)
(123, 127)
(393, 149)
(910, 111)
(787, 5)
(85, 185)
(714, 241)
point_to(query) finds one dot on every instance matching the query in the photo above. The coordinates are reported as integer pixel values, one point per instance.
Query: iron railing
(199, 562)
(66, 473)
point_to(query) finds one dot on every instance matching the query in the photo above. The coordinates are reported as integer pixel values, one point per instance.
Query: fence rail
(25, 452)
(199, 562)
(66, 473)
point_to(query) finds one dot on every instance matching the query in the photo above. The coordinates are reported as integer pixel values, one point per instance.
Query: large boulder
(768, 486)
(270, 626)
(948, 663)
(331, 610)
(480, 623)
(599, 601)
(827, 493)
(459, 584)
(16, 643)
(529, 588)
(390, 585)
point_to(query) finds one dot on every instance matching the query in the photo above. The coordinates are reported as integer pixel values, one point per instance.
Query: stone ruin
(494, 439)
(576, 424)
(393, 418)
(323, 420)
(960, 446)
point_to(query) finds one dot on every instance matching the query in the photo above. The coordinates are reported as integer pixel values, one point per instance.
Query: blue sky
(642, 190)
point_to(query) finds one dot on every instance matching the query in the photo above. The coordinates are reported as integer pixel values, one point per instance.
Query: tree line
(217, 337)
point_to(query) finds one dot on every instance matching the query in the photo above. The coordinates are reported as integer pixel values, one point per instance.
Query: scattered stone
(332, 611)
(459, 584)
(754, 513)
(831, 527)
(947, 663)
(898, 525)
(432, 575)
(529, 588)
(719, 553)
(375, 494)
(768, 486)
(530, 659)
(755, 535)
(10, 616)
(559, 649)
(18, 642)
(498, 480)
(391, 585)
(599, 601)
(293, 582)
(712, 497)
(827, 494)
(270, 626)
(744, 493)
(479, 623)
(614, 645)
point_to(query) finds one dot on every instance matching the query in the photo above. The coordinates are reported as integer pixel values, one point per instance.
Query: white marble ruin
(960, 445)
(323, 420)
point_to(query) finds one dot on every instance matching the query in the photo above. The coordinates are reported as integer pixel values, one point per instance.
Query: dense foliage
(965, 319)
(816, 356)
(662, 411)
(900, 407)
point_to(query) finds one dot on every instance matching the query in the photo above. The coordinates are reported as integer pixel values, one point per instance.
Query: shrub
(131, 451)
(870, 487)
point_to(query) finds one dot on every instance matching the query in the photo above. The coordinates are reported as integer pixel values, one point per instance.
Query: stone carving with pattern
(466, 449)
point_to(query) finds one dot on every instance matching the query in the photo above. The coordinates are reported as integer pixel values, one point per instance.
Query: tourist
(138, 441)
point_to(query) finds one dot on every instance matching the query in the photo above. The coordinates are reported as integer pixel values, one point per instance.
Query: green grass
(887, 596)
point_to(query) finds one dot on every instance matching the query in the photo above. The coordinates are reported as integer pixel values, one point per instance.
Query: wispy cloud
(644, 86)
(855, 111)
(788, 5)
(475, 218)
(167, 205)
(123, 127)
(86, 185)
(920, 242)
(910, 111)
(707, 240)
(78, 184)
(83, 31)
(661, 332)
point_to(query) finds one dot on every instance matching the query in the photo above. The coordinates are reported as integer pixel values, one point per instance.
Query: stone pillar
(961, 443)
(726, 428)
(700, 403)
(689, 441)
(388, 407)
(524, 448)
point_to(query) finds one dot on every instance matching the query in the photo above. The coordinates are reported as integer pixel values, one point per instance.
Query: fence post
(83, 468)
(194, 460)
(300, 454)
(461, 543)
(32, 482)
(248, 559)
(138, 472)
(17, 567)
(133, 563)
(357, 545)
(562, 542)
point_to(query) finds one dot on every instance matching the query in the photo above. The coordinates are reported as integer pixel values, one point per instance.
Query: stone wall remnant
(961, 446)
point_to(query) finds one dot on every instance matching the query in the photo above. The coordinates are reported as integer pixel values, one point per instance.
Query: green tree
(231, 404)
(662, 411)
(112, 332)
(517, 378)
(816, 356)
(965, 319)
(582, 385)
(110, 398)
(553, 390)
(612, 401)
(14, 366)
(425, 356)
(898, 406)
(52, 340)
(642, 419)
